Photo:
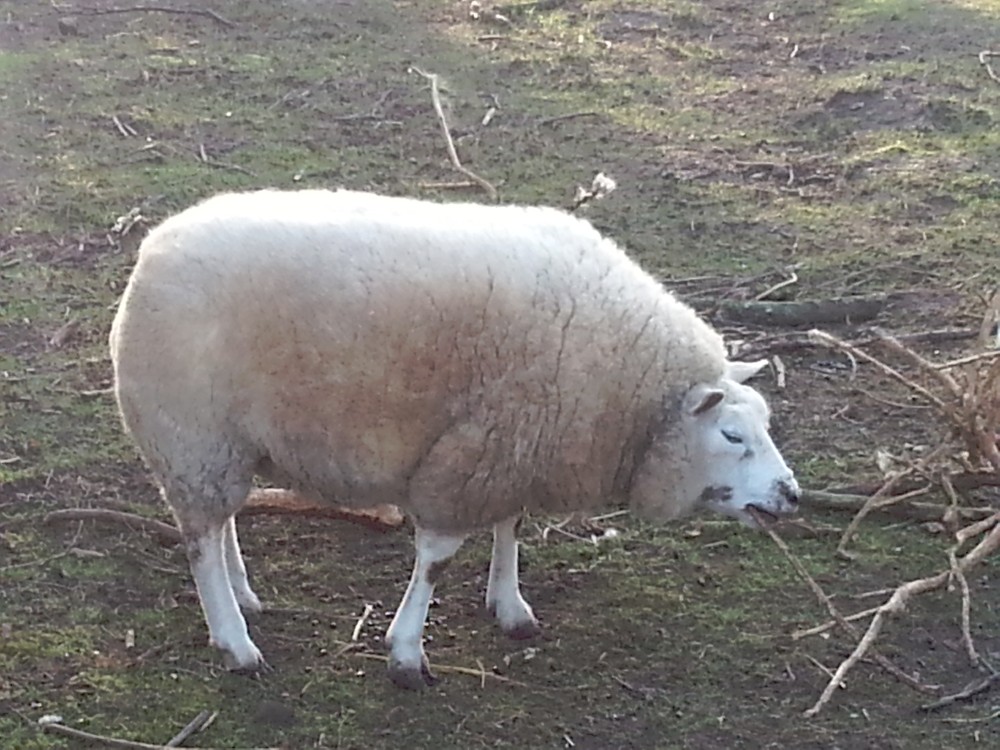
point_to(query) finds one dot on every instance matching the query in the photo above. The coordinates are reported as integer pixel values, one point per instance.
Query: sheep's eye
(732, 437)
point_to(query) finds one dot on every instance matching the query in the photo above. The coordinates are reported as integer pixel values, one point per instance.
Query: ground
(855, 143)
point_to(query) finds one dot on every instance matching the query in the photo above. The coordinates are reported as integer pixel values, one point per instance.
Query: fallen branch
(837, 310)
(197, 724)
(898, 601)
(160, 9)
(452, 153)
(53, 726)
(842, 621)
(850, 502)
(261, 501)
(269, 501)
(825, 339)
(972, 689)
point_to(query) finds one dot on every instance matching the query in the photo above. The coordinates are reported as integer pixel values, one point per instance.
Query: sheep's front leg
(408, 666)
(503, 592)
(237, 569)
(226, 627)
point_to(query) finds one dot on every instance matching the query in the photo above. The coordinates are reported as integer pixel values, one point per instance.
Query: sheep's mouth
(763, 518)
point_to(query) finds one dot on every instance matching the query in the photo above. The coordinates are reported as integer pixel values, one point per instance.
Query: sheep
(467, 363)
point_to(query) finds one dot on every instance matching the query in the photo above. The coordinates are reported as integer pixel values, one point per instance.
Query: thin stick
(973, 688)
(843, 501)
(160, 9)
(821, 337)
(881, 499)
(164, 531)
(194, 726)
(452, 669)
(897, 603)
(984, 60)
(65, 731)
(970, 646)
(125, 131)
(882, 660)
(793, 279)
(822, 667)
(452, 153)
(361, 621)
(891, 342)
(831, 624)
(966, 360)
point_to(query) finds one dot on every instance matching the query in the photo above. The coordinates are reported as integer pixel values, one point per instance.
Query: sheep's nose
(790, 492)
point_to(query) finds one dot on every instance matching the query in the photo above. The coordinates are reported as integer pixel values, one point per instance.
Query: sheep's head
(717, 454)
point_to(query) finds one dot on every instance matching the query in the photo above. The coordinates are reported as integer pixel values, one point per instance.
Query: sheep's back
(345, 335)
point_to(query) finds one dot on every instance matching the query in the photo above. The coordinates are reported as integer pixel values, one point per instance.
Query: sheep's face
(722, 458)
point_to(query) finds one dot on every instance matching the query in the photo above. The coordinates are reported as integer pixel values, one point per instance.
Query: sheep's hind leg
(503, 593)
(237, 569)
(203, 515)
(408, 666)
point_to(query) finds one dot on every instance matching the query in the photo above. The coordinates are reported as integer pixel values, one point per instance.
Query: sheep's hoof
(252, 666)
(411, 678)
(523, 631)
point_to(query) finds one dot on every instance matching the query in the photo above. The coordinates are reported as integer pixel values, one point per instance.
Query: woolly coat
(462, 361)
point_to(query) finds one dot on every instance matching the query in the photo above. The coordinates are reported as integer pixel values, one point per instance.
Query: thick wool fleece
(462, 361)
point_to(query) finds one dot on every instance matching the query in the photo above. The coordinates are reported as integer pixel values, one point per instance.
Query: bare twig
(164, 531)
(197, 724)
(361, 621)
(160, 9)
(972, 689)
(846, 626)
(897, 604)
(793, 279)
(831, 624)
(452, 153)
(984, 60)
(821, 337)
(204, 159)
(54, 727)
(126, 130)
(881, 499)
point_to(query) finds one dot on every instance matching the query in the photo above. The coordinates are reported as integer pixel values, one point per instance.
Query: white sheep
(465, 362)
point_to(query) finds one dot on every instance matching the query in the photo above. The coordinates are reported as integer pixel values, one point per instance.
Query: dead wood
(100, 740)
(260, 502)
(164, 531)
(906, 509)
(446, 131)
(796, 313)
(974, 688)
(270, 501)
(882, 660)
(896, 603)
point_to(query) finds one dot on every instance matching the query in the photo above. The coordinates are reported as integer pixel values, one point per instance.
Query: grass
(672, 637)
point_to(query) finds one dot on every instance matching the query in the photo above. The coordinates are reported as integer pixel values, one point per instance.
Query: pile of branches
(965, 394)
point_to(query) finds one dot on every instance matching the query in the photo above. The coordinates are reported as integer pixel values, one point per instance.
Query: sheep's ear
(743, 371)
(701, 399)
